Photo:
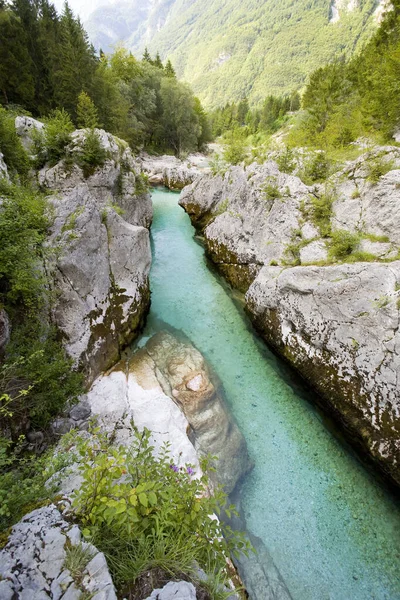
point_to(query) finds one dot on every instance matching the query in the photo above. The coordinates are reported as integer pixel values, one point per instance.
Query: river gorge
(332, 531)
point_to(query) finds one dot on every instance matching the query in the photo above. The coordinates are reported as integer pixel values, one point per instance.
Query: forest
(46, 61)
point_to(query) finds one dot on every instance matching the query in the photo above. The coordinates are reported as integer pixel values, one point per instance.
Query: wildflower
(190, 471)
(174, 468)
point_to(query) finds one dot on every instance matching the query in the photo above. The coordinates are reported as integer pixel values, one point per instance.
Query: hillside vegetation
(230, 49)
(46, 61)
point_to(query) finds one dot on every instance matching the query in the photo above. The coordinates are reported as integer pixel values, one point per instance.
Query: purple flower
(190, 471)
(174, 468)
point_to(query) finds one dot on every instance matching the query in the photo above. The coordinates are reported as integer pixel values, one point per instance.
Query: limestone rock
(5, 331)
(181, 590)
(25, 126)
(184, 376)
(32, 564)
(248, 217)
(339, 327)
(167, 388)
(314, 252)
(173, 172)
(102, 259)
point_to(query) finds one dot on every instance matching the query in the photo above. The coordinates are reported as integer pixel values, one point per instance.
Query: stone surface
(167, 388)
(103, 255)
(5, 331)
(314, 252)
(181, 590)
(173, 172)
(25, 126)
(32, 562)
(337, 325)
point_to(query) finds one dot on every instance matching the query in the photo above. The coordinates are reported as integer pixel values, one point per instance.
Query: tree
(169, 70)
(87, 114)
(158, 62)
(146, 56)
(180, 123)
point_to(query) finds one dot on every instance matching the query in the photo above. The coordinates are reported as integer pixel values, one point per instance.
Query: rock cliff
(99, 252)
(320, 266)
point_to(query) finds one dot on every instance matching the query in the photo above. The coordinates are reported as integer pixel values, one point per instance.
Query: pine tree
(87, 114)
(158, 62)
(169, 70)
(146, 56)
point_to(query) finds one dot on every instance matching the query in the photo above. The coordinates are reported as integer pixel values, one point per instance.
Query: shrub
(23, 228)
(87, 114)
(132, 505)
(270, 189)
(57, 135)
(322, 211)
(343, 244)
(235, 150)
(92, 154)
(316, 168)
(16, 158)
(286, 161)
(377, 168)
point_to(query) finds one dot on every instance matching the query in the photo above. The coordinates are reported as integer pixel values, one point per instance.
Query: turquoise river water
(332, 530)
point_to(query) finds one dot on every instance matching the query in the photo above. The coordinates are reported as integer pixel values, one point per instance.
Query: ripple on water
(332, 531)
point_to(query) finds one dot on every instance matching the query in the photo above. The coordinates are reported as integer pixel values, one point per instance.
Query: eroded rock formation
(167, 388)
(172, 172)
(337, 324)
(100, 254)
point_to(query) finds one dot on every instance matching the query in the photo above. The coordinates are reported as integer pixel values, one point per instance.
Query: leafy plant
(130, 501)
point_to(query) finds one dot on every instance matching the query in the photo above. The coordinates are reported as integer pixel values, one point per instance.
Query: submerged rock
(101, 253)
(167, 388)
(338, 325)
(33, 563)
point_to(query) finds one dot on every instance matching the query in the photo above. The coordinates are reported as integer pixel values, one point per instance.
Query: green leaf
(143, 500)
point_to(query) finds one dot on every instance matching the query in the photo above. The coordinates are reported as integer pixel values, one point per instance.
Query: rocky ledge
(100, 252)
(320, 266)
(172, 172)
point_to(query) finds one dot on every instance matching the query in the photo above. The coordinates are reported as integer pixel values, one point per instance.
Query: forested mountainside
(227, 50)
(47, 61)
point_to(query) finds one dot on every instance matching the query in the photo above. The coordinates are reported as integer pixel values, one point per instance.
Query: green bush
(235, 150)
(57, 135)
(92, 155)
(322, 211)
(286, 161)
(343, 244)
(270, 189)
(377, 168)
(23, 228)
(16, 158)
(316, 168)
(143, 511)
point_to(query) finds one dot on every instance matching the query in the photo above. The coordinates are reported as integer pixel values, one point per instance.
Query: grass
(270, 189)
(377, 168)
(76, 560)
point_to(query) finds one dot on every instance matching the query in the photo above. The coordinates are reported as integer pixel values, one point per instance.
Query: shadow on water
(321, 523)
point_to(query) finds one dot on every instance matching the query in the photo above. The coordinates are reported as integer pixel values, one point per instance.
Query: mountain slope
(227, 49)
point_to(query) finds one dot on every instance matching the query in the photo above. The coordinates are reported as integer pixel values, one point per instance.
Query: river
(331, 529)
